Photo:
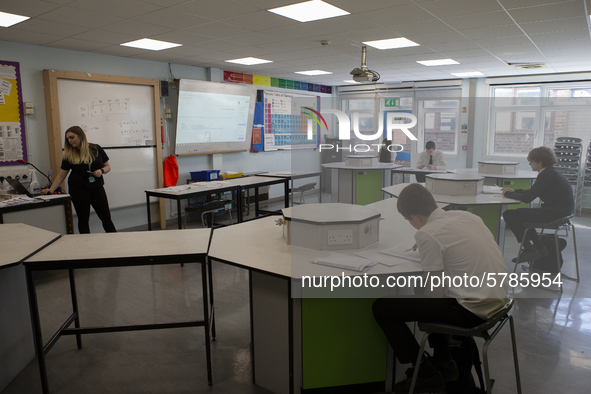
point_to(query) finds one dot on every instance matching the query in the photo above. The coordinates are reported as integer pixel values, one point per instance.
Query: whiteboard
(133, 171)
(111, 114)
(213, 117)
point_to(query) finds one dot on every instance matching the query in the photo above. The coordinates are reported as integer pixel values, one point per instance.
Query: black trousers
(393, 313)
(515, 218)
(83, 198)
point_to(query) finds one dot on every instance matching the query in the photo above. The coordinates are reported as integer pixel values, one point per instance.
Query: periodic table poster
(287, 120)
(13, 146)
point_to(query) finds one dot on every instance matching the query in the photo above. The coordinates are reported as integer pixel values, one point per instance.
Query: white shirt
(459, 243)
(438, 160)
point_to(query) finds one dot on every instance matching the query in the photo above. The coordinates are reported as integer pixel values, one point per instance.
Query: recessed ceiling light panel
(152, 45)
(307, 11)
(7, 19)
(468, 74)
(437, 62)
(249, 61)
(313, 72)
(392, 43)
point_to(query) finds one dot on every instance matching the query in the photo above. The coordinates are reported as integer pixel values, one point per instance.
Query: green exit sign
(395, 102)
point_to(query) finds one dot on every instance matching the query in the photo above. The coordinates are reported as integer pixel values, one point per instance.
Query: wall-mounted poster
(13, 146)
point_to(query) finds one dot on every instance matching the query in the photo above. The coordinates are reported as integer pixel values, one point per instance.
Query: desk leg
(36, 324)
(178, 210)
(206, 320)
(239, 205)
(149, 213)
(286, 192)
(211, 303)
(256, 202)
(75, 306)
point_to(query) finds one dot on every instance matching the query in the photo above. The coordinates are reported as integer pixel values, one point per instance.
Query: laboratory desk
(488, 206)
(18, 241)
(305, 344)
(205, 189)
(359, 184)
(414, 171)
(520, 180)
(49, 212)
(88, 251)
(291, 175)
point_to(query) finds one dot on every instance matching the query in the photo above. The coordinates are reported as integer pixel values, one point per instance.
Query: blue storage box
(207, 175)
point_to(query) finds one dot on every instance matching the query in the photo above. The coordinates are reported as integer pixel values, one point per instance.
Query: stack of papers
(345, 262)
(492, 190)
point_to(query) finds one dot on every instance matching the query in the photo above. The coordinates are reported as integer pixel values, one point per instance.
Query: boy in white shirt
(454, 244)
(430, 159)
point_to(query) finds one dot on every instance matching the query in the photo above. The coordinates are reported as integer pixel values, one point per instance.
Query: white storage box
(361, 161)
(330, 226)
(497, 167)
(454, 184)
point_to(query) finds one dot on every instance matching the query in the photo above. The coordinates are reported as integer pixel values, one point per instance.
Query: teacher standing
(88, 163)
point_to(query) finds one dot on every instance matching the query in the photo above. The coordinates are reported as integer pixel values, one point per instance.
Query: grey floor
(553, 332)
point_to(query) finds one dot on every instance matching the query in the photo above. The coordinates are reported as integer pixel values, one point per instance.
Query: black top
(79, 177)
(552, 188)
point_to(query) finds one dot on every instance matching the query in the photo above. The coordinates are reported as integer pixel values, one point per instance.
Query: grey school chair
(302, 189)
(495, 323)
(210, 207)
(556, 225)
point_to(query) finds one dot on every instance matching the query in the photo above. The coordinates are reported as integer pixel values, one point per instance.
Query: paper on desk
(210, 184)
(173, 189)
(383, 258)
(345, 261)
(494, 189)
(403, 252)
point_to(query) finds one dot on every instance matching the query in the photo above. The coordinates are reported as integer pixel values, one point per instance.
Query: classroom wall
(34, 59)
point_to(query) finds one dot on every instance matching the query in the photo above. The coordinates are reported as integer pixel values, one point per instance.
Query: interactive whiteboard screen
(213, 117)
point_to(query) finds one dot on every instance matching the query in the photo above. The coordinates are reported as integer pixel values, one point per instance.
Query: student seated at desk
(557, 201)
(450, 243)
(385, 155)
(430, 159)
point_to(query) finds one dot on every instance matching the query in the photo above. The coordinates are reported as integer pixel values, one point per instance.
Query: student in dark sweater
(556, 194)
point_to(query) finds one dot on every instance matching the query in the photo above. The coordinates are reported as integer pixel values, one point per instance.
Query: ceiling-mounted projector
(363, 74)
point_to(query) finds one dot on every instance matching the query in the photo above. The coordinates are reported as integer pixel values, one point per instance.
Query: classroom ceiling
(482, 35)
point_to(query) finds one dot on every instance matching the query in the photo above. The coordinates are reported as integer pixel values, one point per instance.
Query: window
(438, 122)
(526, 116)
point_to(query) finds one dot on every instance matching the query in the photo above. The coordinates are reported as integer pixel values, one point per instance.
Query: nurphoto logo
(345, 129)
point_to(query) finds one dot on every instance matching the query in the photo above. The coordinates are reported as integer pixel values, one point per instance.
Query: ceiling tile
(419, 28)
(76, 16)
(548, 12)
(44, 26)
(394, 15)
(456, 8)
(123, 9)
(555, 25)
(172, 19)
(30, 8)
(218, 29)
(497, 18)
(492, 32)
(103, 36)
(77, 45)
(216, 10)
(136, 29)
(27, 37)
(260, 20)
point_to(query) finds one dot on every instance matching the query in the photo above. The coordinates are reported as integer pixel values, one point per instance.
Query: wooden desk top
(124, 246)
(18, 241)
(479, 199)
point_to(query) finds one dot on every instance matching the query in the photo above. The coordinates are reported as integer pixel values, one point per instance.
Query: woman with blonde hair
(87, 163)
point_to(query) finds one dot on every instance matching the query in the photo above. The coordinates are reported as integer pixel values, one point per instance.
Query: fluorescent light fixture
(350, 81)
(7, 20)
(313, 72)
(391, 43)
(307, 11)
(249, 61)
(468, 74)
(152, 45)
(438, 62)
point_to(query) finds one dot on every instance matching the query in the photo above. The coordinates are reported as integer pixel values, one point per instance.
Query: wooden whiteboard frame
(50, 80)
